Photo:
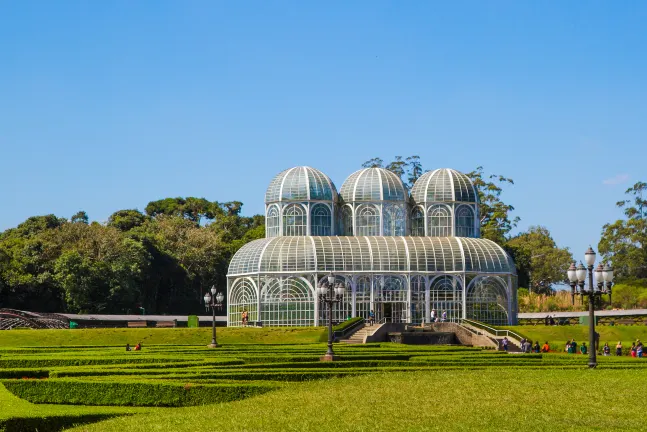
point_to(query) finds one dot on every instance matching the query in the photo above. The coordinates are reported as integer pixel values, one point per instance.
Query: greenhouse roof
(370, 254)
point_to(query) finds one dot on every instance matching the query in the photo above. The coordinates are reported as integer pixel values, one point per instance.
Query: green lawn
(558, 335)
(275, 387)
(493, 400)
(181, 336)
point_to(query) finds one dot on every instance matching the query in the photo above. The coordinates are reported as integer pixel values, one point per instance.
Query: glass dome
(444, 185)
(302, 183)
(373, 184)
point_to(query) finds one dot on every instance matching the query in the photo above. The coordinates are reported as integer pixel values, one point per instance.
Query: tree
(624, 242)
(80, 217)
(496, 220)
(126, 220)
(540, 262)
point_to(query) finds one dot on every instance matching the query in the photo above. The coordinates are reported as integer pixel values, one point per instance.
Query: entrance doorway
(395, 312)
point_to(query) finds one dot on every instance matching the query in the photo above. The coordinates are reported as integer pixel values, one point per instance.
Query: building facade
(400, 255)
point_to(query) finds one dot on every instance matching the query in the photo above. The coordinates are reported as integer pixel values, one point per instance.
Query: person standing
(583, 348)
(639, 349)
(633, 349)
(619, 348)
(527, 347)
(433, 315)
(371, 317)
(244, 317)
(504, 343)
(606, 349)
(444, 316)
(573, 347)
(535, 348)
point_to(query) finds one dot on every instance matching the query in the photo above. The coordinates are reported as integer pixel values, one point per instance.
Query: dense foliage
(624, 241)
(160, 261)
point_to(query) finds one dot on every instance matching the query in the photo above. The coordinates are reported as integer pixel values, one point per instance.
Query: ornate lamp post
(604, 282)
(330, 294)
(213, 300)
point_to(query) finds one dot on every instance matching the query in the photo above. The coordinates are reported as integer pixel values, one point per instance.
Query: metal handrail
(342, 333)
(496, 332)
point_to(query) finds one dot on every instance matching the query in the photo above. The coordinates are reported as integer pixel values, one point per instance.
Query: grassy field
(276, 387)
(174, 336)
(558, 335)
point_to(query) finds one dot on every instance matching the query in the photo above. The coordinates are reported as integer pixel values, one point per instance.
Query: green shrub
(128, 393)
(53, 423)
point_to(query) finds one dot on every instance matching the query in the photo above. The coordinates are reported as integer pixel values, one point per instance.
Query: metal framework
(400, 255)
(400, 278)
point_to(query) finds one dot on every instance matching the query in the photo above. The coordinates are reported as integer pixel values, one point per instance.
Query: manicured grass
(272, 387)
(19, 415)
(558, 335)
(491, 400)
(181, 336)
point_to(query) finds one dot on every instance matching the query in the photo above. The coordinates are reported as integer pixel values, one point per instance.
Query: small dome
(444, 185)
(373, 184)
(301, 183)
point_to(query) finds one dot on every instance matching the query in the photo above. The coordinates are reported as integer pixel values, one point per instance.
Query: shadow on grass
(52, 423)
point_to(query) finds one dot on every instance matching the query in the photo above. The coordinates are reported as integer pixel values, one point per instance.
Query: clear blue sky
(109, 105)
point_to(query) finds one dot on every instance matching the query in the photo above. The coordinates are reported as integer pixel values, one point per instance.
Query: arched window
(320, 220)
(242, 298)
(368, 221)
(363, 297)
(394, 221)
(273, 222)
(347, 220)
(417, 299)
(445, 295)
(487, 300)
(294, 220)
(287, 302)
(440, 221)
(417, 222)
(465, 222)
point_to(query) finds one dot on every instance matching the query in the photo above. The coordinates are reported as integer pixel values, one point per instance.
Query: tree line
(162, 260)
(165, 258)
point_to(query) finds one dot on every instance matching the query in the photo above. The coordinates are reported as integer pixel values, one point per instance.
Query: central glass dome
(374, 204)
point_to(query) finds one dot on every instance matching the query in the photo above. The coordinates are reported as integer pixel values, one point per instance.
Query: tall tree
(624, 242)
(540, 262)
(496, 218)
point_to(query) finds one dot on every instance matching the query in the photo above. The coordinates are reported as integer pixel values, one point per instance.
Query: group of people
(527, 346)
(571, 347)
(138, 347)
(636, 349)
(434, 318)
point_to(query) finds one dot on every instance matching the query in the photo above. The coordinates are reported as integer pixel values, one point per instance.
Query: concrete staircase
(514, 345)
(359, 336)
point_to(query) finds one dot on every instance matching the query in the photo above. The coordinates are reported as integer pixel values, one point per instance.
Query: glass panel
(272, 223)
(368, 220)
(242, 299)
(287, 302)
(417, 223)
(440, 221)
(445, 295)
(294, 220)
(464, 222)
(321, 220)
(487, 301)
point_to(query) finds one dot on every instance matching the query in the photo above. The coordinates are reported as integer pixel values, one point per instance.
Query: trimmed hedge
(23, 373)
(53, 423)
(130, 393)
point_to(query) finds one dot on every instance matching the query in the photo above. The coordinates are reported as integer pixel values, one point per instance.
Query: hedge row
(25, 362)
(130, 393)
(23, 373)
(53, 423)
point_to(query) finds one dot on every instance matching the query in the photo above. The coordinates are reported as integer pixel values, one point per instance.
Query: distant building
(399, 254)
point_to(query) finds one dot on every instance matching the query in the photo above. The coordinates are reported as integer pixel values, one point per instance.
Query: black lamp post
(330, 294)
(213, 300)
(604, 282)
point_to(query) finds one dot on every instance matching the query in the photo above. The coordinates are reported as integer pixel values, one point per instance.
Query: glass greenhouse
(399, 255)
